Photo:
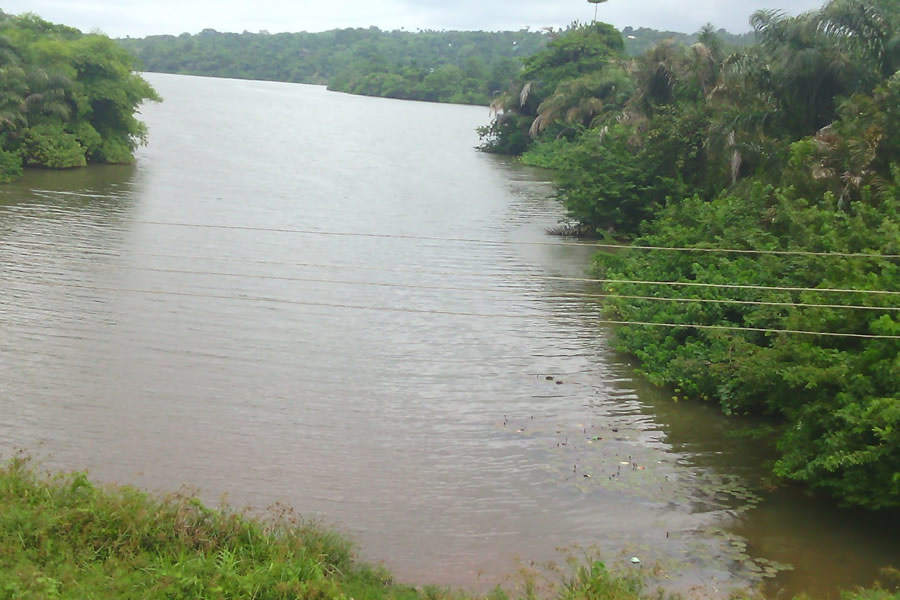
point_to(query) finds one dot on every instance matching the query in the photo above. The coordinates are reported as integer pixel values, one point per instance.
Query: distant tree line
(438, 66)
(466, 67)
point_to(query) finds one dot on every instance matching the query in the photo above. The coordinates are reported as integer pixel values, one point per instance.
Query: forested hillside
(448, 66)
(467, 67)
(774, 172)
(66, 99)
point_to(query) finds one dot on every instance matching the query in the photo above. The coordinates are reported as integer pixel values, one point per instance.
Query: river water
(194, 320)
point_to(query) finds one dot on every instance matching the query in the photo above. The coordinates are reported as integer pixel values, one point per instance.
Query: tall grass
(64, 537)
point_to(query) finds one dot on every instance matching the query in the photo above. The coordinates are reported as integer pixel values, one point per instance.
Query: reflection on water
(471, 413)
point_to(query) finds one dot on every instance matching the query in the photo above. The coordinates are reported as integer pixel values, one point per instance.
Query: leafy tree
(579, 50)
(618, 196)
(66, 99)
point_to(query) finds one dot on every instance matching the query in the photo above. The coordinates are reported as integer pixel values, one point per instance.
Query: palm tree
(807, 70)
(27, 95)
(857, 151)
(12, 86)
(868, 28)
(746, 124)
(596, 4)
(708, 56)
(580, 50)
(581, 101)
(658, 75)
(46, 95)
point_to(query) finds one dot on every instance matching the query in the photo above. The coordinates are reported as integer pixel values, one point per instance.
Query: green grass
(63, 537)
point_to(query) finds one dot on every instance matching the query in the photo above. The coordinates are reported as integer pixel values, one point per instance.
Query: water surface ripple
(217, 358)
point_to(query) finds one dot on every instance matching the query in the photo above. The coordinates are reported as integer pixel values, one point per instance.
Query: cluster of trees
(640, 40)
(790, 144)
(463, 67)
(66, 99)
(439, 66)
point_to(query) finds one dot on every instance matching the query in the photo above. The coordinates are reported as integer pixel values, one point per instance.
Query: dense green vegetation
(465, 67)
(66, 99)
(790, 144)
(439, 66)
(64, 537)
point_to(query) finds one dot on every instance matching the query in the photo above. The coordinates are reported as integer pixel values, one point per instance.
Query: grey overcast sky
(138, 18)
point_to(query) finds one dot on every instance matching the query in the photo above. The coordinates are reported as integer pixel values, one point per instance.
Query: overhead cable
(468, 314)
(494, 290)
(516, 242)
(490, 274)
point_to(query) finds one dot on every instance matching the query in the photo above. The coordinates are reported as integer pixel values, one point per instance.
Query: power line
(514, 242)
(745, 287)
(469, 314)
(483, 274)
(494, 290)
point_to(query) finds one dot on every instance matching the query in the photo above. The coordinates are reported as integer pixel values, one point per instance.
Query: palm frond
(526, 91)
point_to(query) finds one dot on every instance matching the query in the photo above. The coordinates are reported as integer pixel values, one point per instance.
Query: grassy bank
(65, 537)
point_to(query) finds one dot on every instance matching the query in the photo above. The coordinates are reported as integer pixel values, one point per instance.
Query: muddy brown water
(415, 414)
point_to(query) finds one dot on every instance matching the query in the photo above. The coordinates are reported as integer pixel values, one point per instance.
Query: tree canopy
(66, 99)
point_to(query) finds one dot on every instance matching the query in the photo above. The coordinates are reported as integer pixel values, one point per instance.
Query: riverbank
(763, 268)
(62, 536)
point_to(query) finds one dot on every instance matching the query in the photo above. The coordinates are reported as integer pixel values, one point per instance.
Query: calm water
(190, 320)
